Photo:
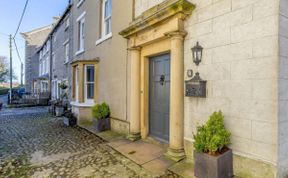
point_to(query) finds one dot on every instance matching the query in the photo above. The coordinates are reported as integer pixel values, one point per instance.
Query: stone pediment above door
(153, 24)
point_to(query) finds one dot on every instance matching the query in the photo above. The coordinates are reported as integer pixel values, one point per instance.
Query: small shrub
(100, 111)
(212, 137)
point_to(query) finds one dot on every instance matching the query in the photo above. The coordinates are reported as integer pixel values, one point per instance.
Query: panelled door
(159, 97)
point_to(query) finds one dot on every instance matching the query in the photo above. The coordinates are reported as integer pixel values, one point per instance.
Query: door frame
(155, 49)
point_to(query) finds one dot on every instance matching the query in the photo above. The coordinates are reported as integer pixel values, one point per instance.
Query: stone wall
(34, 40)
(240, 63)
(61, 70)
(112, 79)
(282, 90)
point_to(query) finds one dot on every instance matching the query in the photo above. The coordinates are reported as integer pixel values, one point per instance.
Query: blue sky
(39, 13)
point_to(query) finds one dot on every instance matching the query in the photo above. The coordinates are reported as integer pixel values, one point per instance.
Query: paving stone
(35, 144)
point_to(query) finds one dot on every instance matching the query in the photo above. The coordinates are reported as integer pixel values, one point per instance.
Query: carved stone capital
(134, 48)
(176, 34)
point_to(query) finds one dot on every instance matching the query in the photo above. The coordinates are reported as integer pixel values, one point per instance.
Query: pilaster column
(176, 138)
(81, 84)
(135, 129)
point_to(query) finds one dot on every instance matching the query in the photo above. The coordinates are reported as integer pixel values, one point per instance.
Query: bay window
(89, 82)
(66, 46)
(84, 88)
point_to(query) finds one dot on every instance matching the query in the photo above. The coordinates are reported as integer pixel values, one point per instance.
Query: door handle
(162, 79)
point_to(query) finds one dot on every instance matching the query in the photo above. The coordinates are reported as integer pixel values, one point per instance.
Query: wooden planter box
(208, 166)
(101, 125)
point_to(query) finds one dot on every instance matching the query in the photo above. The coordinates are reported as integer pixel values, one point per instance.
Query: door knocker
(162, 79)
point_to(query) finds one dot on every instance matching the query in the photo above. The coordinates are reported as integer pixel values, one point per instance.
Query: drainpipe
(50, 68)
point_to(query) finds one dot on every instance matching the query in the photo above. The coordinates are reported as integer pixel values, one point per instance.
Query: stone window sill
(104, 38)
(79, 52)
(83, 105)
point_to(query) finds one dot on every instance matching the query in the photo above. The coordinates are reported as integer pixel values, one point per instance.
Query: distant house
(34, 40)
(55, 55)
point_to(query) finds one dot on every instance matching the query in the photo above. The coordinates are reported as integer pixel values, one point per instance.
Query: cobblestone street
(34, 144)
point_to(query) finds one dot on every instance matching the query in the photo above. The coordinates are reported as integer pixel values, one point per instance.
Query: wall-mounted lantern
(197, 53)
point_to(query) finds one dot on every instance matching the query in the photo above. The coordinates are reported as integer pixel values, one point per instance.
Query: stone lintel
(157, 14)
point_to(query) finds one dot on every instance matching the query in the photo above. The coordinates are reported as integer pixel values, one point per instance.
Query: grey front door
(159, 97)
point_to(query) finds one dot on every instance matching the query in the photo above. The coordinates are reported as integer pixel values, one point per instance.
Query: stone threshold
(147, 153)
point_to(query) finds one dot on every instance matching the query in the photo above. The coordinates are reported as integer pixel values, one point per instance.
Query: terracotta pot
(208, 166)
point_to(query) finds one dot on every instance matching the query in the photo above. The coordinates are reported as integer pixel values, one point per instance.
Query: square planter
(101, 125)
(69, 121)
(59, 111)
(208, 166)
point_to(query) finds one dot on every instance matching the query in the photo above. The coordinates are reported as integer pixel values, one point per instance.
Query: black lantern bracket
(196, 87)
(197, 52)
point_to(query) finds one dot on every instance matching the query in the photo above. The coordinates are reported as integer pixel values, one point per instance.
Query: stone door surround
(157, 31)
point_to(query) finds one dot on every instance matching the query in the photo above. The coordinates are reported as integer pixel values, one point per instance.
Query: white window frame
(81, 33)
(77, 79)
(59, 90)
(91, 101)
(40, 68)
(66, 51)
(67, 22)
(47, 65)
(80, 2)
(44, 89)
(109, 35)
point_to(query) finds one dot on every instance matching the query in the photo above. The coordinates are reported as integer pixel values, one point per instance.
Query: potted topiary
(69, 119)
(101, 113)
(212, 157)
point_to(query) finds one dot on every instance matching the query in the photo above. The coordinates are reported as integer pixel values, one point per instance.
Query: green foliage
(100, 111)
(212, 137)
(5, 70)
(4, 91)
(63, 85)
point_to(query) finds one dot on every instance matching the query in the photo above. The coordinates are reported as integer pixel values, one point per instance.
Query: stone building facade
(245, 49)
(62, 47)
(100, 62)
(34, 39)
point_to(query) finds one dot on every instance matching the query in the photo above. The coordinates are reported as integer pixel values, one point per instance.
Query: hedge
(4, 91)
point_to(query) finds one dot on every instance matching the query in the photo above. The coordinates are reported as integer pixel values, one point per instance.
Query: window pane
(90, 74)
(106, 9)
(90, 90)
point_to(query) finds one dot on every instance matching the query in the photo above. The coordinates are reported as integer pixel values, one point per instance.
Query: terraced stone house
(34, 40)
(136, 56)
(100, 64)
(244, 64)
